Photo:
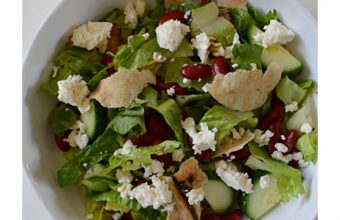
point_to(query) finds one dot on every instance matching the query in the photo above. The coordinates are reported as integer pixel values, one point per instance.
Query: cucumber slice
(289, 91)
(94, 120)
(261, 200)
(219, 195)
(278, 54)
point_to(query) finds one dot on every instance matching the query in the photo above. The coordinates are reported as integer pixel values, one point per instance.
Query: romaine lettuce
(63, 118)
(307, 144)
(261, 20)
(246, 54)
(148, 214)
(242, 20)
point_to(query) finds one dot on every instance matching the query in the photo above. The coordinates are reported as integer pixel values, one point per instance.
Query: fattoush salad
(183, 110)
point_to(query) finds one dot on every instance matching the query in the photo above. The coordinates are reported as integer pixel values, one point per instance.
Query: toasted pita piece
(242, 4)
(121, 88)
(245, 90)
(232, 145)
(190, 174)
(182, 210)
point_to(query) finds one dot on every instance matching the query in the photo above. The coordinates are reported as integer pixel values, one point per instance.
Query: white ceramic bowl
(41, 157)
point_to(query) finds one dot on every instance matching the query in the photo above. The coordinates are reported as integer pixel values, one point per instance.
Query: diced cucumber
(219, 196)
(305, 114)
(278, 54)
(255, 164)
(94, 120)
(205, 15)
(289, 91)
(261, 200)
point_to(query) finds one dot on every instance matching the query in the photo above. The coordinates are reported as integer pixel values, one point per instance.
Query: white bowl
(41, 157)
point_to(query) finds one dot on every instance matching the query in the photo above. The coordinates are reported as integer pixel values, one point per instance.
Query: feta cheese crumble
(203, 140)
(55, 71)
(74, 91)
(306, 128)
(92, 35)
(170, 34)
(253, 66)
(276, 33)
(117, 216)
(187, 14)
(229, 49)
(78, 136)
(235, 65)
(171, 91)
(205, 88)
(186, 80)
(264, 181)
(127, 147)
(155, 168)
(132, 12)
(202, 44)
(281, 147)
(158, 57)
(124, 176)
(232, 177)
(261, 138)
(178, 155)
(292, 107)
(89, 216)
(278, 155)
(195, 196)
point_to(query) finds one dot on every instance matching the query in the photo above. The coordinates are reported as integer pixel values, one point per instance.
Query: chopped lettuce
(62, 118)
(246, 54)
(261, 20)
(289, 180)
(190, 99)
(117, 16)
(148, 214)
(288, 91)
(93, 82)
(242, 20)
(250, 123)
(307, 144)
(306, 84)
(150, 96)
(95, 180)
(223, 119)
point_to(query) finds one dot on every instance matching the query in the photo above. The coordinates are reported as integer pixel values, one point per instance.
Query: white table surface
(34, 12)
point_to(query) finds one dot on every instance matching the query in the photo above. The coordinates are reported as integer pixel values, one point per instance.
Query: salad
(184, 110)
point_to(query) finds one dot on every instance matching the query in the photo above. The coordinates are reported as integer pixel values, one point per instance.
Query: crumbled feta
(281, 147)
(178, 155)
(205, 88)
(89, 216)
(187, 14)
(170, 34)
(131, 15)
(158, 57)
(297, 156)
(292, 107)
(125, 190)
(232, 177)
(171, 169)
(235, 65)
(55, 71)
(124, 176)
(264, 181)
(171, 91)
(306, 128)
(261, 138)
(199, 79)
(195, 196)
(140, 101)
(229, 49)
(127, 147)
(117, 216)
(146, 36)
(203, 140)
(235, 134)
(140, 7)
(282, 137)
(74, 91)
(231, 158)
(155, 168)
(78, 136)
(91, 35)
(85, 165)
(173, 60)
(276, 33)
(253, 66)
(202, 44)
(132, 166)
(186, 80)
(279, 156)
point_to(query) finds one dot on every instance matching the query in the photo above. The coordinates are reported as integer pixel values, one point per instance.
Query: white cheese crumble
(282, 137)
(158, 57)
(173, 60)
(261, 138)
(205, 88)
(229, 49)
(178, 155)
(171, 91)
(155, 168)
(276, 33)
(127, 147)
(235, 65)
(281, 147)
(170, 34)
(232, 177)
(89, 216)
(78, 136)
(117, 216)
(125, 190)
(55, 71)
(85, 165)
(92, 35)
(203, 140)
(306, 128)
(124, 176)
(74, 91)
(186, 80)
(171, 169)
(231, 158)
(264, 181)
(195, 196)
(278, 155)
(202, 44)
(146, 36)
(140, 7)
(253, 66)
(292, 107)
(187, 14)
(132, 12)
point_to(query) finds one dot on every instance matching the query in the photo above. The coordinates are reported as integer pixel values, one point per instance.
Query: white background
(34, 12)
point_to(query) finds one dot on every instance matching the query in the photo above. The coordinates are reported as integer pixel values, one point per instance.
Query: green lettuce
(307, 144)
(117, 16)
(242, 20)
(246, 54)
(261, 20)
(183, 100)
(93, 82)
(288, 91)
(223, 119)
(62, 118)
(148, 214)
(150, 96)
(306, 84)
(96, 179)
(289, 180)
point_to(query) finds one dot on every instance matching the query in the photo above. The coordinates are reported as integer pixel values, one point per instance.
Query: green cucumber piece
(219, 196)
(261, 200)
(94, 120)
(289, 91)
(276, 53)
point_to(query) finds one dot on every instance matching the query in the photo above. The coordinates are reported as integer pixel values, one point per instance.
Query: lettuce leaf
(261, 20)
(306, 84)
(93, 82)
(190, 99)
(242, 20)
(289, 180)
(117, 16)
(63, 118)
(288, 91)
(223, 119)
(308, 145)
(148, 214)
(246, 54)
